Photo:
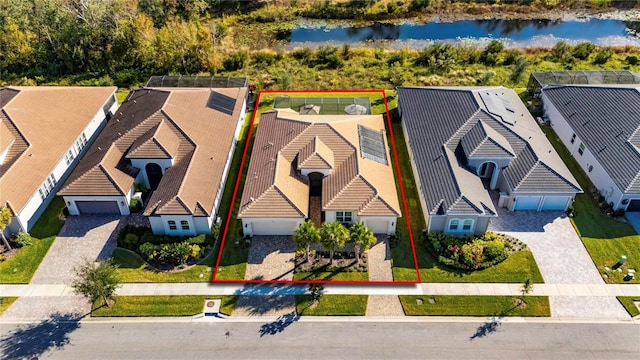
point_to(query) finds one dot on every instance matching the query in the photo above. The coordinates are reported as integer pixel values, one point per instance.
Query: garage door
(555, 203)
(527, 203)
(634, 205)
(98, 207)
(273, 227)
(378, 226)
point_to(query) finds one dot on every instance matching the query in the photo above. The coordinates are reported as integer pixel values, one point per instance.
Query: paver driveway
(270, 258)
(91, 237)
(559, 252)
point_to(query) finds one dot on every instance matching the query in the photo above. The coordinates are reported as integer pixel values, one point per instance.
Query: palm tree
(333, 235)
(306, 235)
(5, 219)
(362, 238)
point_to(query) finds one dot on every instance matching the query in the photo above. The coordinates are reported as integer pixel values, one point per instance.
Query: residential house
(466, 143)
(318, 167)
(43, 132)
(600, 125)
(178, 142)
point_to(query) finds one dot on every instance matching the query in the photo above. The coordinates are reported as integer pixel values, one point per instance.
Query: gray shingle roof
(606, 119)
(439, 121)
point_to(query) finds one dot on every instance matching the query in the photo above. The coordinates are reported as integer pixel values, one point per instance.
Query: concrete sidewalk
(570, 290)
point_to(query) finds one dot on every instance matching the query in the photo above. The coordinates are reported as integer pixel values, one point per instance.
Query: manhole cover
(211, 304)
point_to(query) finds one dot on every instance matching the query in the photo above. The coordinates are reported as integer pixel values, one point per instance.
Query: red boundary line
(235, 192)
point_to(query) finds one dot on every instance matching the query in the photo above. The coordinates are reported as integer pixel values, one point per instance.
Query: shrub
(264, 58)
(328, 57)
(472, 255)
(131, 241)
(561, 52)
(603, 56)
(215, 231)
(493, 249)
(138, 230)
(510, 57)
(583, 50)
(632, 60)
(135, 206)
(148, 250)
(23, 239)
(303, 55)
(235, 61)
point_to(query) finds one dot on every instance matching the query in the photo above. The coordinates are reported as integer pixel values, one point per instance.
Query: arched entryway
(315, 198)
(154, 174)
(487, 172)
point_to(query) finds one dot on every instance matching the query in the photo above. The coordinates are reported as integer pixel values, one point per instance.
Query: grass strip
(332, 305)
(162, 305)
(472, 305)
(629, 305)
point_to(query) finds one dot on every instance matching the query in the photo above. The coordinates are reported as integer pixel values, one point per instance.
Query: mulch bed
(319, 260)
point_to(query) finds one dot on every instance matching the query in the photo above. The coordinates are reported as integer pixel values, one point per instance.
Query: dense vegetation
(122, 42)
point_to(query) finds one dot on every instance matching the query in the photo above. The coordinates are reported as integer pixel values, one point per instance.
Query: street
(338, 339)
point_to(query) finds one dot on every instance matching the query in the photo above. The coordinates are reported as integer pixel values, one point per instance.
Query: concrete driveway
(557, 248)
(634, 219)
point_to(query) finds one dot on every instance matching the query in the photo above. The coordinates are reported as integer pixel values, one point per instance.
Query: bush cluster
(474, 253)
(23, 239)
(170, 250)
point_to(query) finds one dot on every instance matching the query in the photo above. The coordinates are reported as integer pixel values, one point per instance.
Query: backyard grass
(5, 302)
(474, 305)
(162, 305)
(20, 268)
(605, 239)
(133, 269)
(333, 305)
(333, 276)
(629, 305)
(517, 268)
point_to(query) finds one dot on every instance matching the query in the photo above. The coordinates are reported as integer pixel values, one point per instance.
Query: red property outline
(235, 193)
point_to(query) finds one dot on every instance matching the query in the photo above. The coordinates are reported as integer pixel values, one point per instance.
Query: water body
(514, 33)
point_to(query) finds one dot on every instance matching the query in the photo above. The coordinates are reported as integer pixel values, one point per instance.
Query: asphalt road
(290, 339)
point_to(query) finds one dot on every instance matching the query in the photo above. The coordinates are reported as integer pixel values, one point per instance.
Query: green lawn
(604, 238)
(21, 267)
(51, 220)
(472, 305)
(333, 305)
(627, 302)
(6, 302)
(162, 305)
(516, 269)
(334, 276)
(133, 269)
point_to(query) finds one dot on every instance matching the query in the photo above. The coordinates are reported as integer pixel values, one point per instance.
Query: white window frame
(47, 186)
(464, 224)
(69, 157)
(184, 225)
(460, 225)
(451, 223)
(172, 225)
(581, 149)
(344, 216)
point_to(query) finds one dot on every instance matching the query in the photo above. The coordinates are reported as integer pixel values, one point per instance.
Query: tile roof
(315, 155)
(175, 123)
(285, 137)
(606, 119)
(44, 123)
(445, 126)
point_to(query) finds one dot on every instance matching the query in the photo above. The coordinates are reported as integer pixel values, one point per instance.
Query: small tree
(316, 291)
(306, 235)
(96, 280)
(527, 287)
(5, 219)
(333, 235)
(362, 238)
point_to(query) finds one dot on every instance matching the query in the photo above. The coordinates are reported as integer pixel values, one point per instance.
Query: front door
(154, 174)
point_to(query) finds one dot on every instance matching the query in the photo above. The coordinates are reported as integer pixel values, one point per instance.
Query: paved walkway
(271, 258)
(379, 261)
(384, 305)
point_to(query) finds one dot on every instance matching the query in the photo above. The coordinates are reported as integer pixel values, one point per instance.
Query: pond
(513, 33)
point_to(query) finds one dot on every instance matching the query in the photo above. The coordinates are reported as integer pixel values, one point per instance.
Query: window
(466, 225)
(68, 158)
(581, 149)
(80, 143)
(453, 224)
(573, 138)
(172, 225)
(590, 168)
(343, 216)
(184, 224)
(47, 186)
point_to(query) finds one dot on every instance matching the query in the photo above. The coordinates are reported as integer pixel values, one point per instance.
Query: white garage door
(98, 207)
(378, 226)
(527, 203)
(275, 227)
(555, 203)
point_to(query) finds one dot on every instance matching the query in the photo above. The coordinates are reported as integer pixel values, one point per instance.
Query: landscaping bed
(161, 305)
(332, 305)
(475, 305)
